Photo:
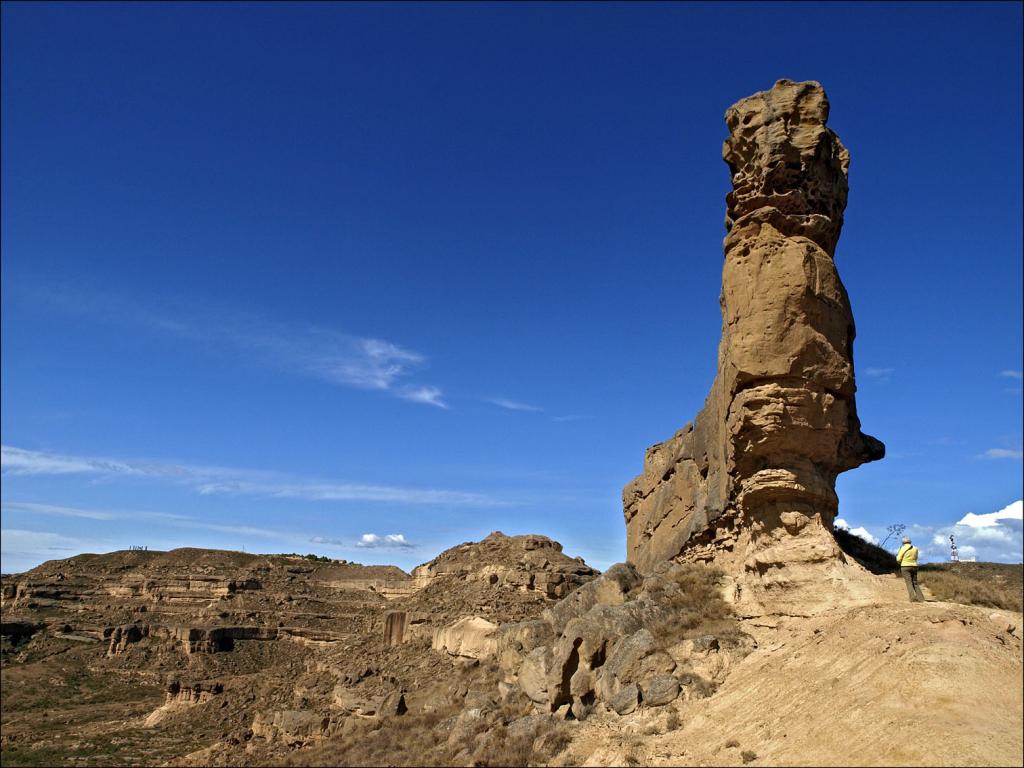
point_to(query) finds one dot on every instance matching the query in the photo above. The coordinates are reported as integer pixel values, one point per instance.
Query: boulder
(392, 705)
(471, 636)
(661, 690)
(609, 589)
(533, 675)
(584, 646)
(290, 727)
(626, 700)
(516, 641)
(349, 700)
(636, 658)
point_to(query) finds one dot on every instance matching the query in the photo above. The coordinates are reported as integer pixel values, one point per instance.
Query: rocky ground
(894, 683)
(210, 656)
(155, 658)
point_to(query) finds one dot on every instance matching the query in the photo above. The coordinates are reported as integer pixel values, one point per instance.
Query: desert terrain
(196, 657)
(741, 627)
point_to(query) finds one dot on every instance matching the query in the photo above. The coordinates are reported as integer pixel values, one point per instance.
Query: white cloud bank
(388, 541)
(993, 537)
(1014, 511)
(208, 480)
(990, 536)
(860, 530)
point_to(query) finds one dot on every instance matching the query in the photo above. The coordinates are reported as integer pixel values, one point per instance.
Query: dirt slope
(893, 683)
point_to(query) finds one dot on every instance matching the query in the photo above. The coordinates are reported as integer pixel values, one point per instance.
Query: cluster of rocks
(750, 484)
(216, 622)
(601, 646)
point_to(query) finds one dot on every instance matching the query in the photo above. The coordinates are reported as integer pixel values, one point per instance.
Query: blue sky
(370, 281)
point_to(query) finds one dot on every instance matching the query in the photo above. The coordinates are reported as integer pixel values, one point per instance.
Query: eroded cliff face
(756, 469)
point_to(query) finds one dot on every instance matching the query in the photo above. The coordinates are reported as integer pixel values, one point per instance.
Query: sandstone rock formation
(751, 482)
(620, 641)
(471, 637)
(266, 652)
(528, 563)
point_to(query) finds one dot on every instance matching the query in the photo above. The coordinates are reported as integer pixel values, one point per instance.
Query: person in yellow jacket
(907, 558)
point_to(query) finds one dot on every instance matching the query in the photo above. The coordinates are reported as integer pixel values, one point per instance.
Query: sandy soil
(893, 683)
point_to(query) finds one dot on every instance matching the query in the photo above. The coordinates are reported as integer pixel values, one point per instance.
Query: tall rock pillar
(752, 480)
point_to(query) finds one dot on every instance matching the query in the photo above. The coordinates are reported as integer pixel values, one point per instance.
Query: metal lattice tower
(954, 553)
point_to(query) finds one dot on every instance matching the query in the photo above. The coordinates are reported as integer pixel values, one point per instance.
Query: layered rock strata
(529, 563)
(750, 482)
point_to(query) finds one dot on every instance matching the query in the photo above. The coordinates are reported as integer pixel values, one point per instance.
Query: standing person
(907, 558)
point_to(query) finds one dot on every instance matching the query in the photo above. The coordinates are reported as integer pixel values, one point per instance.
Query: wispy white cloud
(21, 549)
(20, 540)
(327, 541)
(89, 514)
(174, 521)
(425, 395)
(251, 339)
(1018, 375)
(313, 491)
(878, 373)
(17, 461)
(26, 546)
(209, 480)
(512, 405)
(1003, 453)
(388, 541)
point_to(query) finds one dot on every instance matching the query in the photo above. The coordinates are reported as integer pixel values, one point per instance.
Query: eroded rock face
(472, 637)
(596, 647)
(528, 563)
(759, 463)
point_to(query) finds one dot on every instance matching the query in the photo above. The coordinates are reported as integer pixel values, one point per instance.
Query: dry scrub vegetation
(478, 730)
(476, 721)
(993, 585)
(690, 604)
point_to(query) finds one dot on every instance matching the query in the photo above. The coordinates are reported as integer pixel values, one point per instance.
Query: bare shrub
(673, 721)
(689, 604)
(527, 746)
(446, 735)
